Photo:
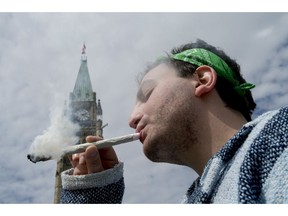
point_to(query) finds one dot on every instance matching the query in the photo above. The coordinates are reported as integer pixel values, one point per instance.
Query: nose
(134, 119)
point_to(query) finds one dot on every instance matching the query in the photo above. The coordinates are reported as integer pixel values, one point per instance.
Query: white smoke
(60, 134)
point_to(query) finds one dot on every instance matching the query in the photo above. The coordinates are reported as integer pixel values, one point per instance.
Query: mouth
(142, 136)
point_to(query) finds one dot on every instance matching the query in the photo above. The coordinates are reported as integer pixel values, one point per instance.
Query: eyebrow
(144, 86)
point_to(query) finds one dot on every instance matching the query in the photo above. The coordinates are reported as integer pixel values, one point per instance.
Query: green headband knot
(199, 57)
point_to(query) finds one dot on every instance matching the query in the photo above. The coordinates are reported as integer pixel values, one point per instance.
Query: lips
(142, 136)
(140, 129)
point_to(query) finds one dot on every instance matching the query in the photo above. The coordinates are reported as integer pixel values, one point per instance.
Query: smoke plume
(60, 134)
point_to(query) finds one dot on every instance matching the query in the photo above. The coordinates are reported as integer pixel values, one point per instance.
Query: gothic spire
(99, 109)
(83, 88)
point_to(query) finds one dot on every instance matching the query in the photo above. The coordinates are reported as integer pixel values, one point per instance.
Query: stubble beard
(172, 135)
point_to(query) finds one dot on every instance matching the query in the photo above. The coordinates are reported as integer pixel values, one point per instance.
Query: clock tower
(85, 111)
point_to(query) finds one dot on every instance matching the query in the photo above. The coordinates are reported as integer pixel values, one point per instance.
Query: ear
(206, 78)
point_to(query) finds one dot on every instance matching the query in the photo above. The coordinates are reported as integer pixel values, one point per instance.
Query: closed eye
(145, 90)
(148, 94)
(144, 96)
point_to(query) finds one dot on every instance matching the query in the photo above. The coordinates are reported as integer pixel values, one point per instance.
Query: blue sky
(40, 58)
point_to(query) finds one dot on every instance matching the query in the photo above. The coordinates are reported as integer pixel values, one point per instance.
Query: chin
(153, 153)
(150, 153)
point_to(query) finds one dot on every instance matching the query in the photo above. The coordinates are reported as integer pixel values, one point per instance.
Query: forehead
(159, 72)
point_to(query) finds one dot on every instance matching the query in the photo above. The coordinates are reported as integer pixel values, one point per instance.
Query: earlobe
(207, 78)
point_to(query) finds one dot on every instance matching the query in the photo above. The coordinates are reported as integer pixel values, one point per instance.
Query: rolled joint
(82, 147)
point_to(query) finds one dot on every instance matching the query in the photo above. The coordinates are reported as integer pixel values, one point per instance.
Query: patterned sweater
(252, 167)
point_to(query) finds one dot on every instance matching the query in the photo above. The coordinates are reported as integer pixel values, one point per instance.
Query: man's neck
(221, 125)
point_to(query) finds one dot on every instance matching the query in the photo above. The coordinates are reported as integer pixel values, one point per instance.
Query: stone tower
(85, 111)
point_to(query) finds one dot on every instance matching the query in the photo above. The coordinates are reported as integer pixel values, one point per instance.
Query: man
(194, 108)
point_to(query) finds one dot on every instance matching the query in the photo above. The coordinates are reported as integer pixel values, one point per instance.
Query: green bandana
(199, 57)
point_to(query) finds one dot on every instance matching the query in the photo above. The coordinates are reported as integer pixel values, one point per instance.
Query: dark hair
(244, 104)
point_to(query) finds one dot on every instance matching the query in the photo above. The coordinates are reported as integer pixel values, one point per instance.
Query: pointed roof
(83, 88)
(99, 108)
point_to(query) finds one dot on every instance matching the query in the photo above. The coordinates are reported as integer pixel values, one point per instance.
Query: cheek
(173, 103)
(178, 95)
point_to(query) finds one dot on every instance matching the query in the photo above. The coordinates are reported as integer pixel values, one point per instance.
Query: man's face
(165, 115)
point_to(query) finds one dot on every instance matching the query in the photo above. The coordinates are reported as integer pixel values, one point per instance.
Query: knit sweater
(252, 167)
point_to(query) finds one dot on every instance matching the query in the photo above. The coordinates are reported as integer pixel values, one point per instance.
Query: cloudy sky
(40, 58)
